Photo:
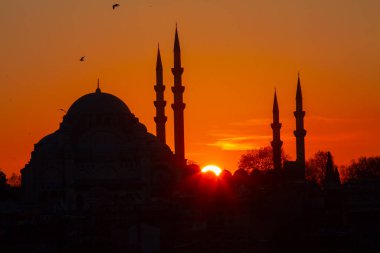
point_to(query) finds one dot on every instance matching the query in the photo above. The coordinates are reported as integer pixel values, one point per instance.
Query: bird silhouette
(115, 5)
(82, 58)
(63, 110)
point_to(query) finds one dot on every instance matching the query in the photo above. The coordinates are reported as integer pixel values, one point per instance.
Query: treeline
(363, 168)
(10, 189)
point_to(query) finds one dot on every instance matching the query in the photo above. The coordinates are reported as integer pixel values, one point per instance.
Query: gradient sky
(234, 53)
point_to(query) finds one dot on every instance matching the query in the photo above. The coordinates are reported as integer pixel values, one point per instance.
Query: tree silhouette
(14, 180)
(259, 159)
(316, 167)
(3, 180)
(362, 168)
(3, 185)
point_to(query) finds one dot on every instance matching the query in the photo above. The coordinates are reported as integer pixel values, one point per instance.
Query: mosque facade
(101, 154)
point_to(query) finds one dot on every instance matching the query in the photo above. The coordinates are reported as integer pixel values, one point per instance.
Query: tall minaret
(178, 105)
(160, 103)
(276, 143)
(300, 132)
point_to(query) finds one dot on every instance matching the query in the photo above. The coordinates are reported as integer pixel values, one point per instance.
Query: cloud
(252, 122)
(332, 120)
(335, 137)
(239, 138)
(241, 142)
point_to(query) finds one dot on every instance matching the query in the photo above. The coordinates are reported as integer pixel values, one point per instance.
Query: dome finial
(98, 88)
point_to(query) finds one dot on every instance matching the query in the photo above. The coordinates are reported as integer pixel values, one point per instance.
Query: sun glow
(213, 168)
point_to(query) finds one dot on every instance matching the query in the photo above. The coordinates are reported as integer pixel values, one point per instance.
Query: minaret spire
(300, 132)
(177, 49)
(299, 95)
(160, 103)
(98, 87)
(275, 106)
(158, 62)
(178, 105)
(276, 143)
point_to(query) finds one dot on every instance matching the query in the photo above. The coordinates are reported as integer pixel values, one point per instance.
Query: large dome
(98, 103)
(99, 109)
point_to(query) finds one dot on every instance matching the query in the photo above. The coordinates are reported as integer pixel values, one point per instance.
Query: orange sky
(234, 53)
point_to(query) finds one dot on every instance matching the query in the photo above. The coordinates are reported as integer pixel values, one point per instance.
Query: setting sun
(213, 168)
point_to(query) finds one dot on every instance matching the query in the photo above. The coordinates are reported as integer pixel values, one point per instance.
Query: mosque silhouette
(102, 183)
(101, 152)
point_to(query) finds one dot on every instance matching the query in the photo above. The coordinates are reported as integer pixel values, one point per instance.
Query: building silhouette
(276, 143)
(300, 132)
(160, 102)
(100, 153)
(102, 183)
(294, 169)
(178, 105)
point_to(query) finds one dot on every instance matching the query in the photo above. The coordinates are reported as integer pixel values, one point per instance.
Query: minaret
(178, 105)
(276, 143)
(98, 87)
(160, 103)
(300, 132)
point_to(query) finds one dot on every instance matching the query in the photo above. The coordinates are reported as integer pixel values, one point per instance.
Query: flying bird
(82, 58)
(63, 110)
(114, 6)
